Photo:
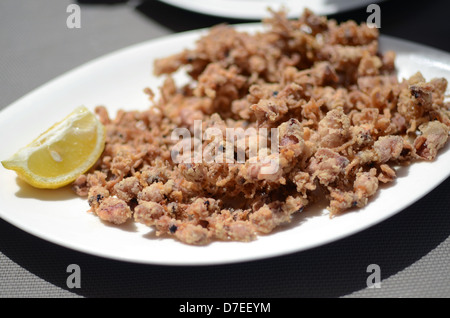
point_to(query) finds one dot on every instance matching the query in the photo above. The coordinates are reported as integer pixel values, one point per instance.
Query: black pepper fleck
(301, 209)
(173, 228)
(153, 179)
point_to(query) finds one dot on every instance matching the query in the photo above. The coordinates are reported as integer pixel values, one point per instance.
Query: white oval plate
(258, 9)
(117, 81)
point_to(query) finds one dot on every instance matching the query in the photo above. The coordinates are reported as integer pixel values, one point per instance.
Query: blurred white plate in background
(258, 9)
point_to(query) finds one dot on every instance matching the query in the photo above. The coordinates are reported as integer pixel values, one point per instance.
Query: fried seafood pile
(343, 119)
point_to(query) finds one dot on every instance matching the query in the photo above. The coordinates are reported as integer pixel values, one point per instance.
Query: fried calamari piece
(113, 210)
(434, 137)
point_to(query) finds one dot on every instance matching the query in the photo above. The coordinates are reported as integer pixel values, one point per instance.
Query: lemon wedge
(58, 156)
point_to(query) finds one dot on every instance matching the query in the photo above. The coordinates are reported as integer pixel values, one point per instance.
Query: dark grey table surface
(411, 248)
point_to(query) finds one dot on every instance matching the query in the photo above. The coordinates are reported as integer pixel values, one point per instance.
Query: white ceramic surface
(258, 9)
(117, 81)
